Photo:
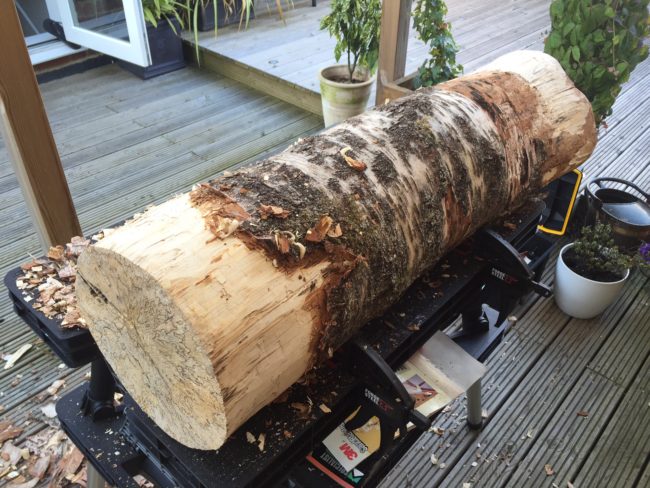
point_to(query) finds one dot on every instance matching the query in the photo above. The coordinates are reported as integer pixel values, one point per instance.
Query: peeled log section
(210, 305)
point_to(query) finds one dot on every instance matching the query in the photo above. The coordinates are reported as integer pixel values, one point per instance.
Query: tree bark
(210, 305)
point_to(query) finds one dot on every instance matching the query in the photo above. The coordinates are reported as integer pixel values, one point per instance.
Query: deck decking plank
(568, 438)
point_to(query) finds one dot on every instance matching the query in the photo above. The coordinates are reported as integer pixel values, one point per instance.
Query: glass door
(113, 27)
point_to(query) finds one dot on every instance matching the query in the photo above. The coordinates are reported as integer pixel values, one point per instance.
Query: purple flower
(644, 251)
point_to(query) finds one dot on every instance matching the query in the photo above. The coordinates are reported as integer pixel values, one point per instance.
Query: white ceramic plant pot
(581, 297)
(343, 100)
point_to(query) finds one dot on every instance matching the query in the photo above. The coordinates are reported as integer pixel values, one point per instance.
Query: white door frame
(135, 50)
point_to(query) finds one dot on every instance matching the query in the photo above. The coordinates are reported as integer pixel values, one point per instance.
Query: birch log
(210, 305)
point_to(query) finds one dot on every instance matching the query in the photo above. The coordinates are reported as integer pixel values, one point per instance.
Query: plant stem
(349, 70)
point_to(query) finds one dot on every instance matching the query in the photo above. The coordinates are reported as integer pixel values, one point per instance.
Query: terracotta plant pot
(343, 100)
(581, 297)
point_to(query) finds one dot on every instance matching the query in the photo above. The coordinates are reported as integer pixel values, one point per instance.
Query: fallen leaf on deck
(287, 434)
(583, 413)
(355, 164)
(13, 358)
(267, 211)
(530, 433)
(437, 430)
(434, 459)
(261, 439)
(320, 230)
(250, 438)
(8, 431)
(548, 469)
(569, 484)
(467, 485)
(49, 410)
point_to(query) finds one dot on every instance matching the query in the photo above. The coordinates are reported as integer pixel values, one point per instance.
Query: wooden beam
(28, 138)
(393, 43)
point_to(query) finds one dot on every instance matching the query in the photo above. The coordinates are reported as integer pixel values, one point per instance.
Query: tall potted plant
(164, 23)
(345, 88)
(590, 273)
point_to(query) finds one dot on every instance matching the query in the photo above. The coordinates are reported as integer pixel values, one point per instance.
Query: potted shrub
(590, 273)
(598, 44)
(345, 88)
(433, 29)
(165, 45)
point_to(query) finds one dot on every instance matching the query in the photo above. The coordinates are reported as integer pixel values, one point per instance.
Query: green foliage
(598, 43)
(157, 10)
(435, 32)
(355, 25)
(595, 255)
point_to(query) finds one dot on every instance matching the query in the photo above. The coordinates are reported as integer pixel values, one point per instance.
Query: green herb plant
(435, 32)
(595, 255)
(156, 10)
(598, 43)
(355, 25)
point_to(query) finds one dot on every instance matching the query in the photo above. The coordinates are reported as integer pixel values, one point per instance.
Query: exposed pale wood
(29, 140)
(393, 42)
(246, 327)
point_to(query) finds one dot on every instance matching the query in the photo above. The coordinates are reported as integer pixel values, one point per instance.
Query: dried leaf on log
(355, 164)
(267, 211)
(335, 231)
(320, 230)
(8, 431)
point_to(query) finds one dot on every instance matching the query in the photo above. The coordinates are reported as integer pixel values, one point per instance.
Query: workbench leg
(474, 409)
(93, 478)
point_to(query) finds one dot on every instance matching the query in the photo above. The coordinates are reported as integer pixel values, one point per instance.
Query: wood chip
(27, 484)
(13, 358)
(355, 164)
(282, 242)
(8, 431)
(433, 459)
(548, 469)
(39, 468)
(49, 410)
(55, 387)
(11, 453)
(56, 253)
(250, 438)
(320, 230)
(324, 408)
(267, 211)
(437, 430)
(261, 440)
(583, 413)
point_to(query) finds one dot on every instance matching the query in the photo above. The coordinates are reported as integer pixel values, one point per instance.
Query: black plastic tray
(75, 347)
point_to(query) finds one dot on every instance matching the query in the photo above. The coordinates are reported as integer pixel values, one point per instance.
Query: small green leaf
(609, 12)
(575, 50)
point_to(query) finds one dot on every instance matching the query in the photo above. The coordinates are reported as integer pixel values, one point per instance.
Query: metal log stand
(483, 281)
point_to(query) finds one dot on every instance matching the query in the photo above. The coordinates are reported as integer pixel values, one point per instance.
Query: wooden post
(393, 43)
(28, 138)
